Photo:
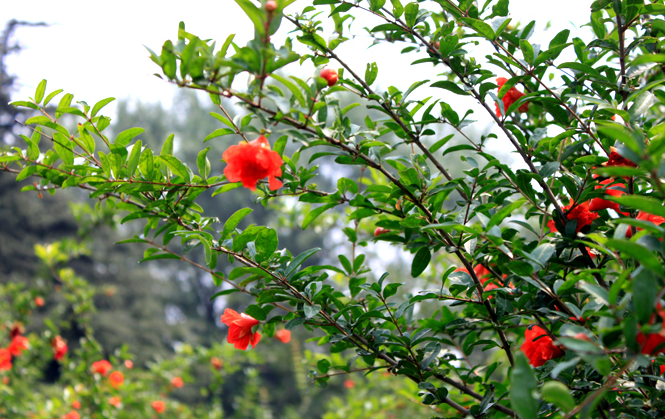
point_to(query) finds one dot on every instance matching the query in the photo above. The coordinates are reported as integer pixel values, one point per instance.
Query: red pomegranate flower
(159, 406)
(102, 367)
(39, 301)
(250, 162)
(580, 213)
(114, 401)
(538, 346)
(653, 343)
(177, 382)
(72, 415)
(509, 98)
(116, 379)
(482, 272)
(18, 345)
(645, 216)
(60, 348)
(129, 364)
(599, 204)
(616, 159)
(240, 329)
(283, 336)
(380, 230)
(5, 359)
(349, 384)
(76, 404)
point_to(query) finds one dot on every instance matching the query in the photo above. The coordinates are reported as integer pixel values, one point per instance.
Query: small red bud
(271, 6)
(330, 76)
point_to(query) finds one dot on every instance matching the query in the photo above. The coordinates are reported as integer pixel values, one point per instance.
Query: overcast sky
(95, 49)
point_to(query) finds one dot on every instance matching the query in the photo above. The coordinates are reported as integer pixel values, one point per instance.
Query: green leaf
(500, 215)
(481, 27)
(51, 96)
(311, 310)
(292, 87)
(420, 262)
(314, 214)
(501, 8)
(255, 14)
(39, 93)
(527, 50)
(63, 147)
(257, 312)
(376, 5)
(167, 148)
(133, 160)
(411, 14)
(126, 136)
(638, 252)
(556, 392)
(226, 188)
(643, 203)
(203, 163)
(146, 164)
(621, 133)
(280, 145)
(371, 73)
(644, 295)
(99, 105)
(298, 260)
(178, 167)
(523, 385)
(233, 221)
(218, 133)
(448, 85)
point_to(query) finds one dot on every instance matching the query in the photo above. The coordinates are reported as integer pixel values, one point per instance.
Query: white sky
(95, 49)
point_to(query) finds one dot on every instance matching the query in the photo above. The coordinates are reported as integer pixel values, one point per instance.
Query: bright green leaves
(39, 93)
(523, 387)
(411, 14)
(556, 392)
(371, 73)
(480, 27)
(203, 163)
(177, 167)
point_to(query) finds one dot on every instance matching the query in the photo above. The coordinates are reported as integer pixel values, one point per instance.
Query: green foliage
(529, 248)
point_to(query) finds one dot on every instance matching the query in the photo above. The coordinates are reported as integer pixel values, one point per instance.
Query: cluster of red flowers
(18, 344)
(60, 348)
(509, 98)
(586, 212)
(116, 378)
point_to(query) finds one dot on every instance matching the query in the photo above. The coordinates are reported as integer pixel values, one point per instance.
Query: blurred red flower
(177, 382)
(580, 213)
(283, 336)
(129, 364)
(114, 401)
(39, 301)
(645, 216)
(72, 415)
(538, 346)
(653, 343)
(116, 379)
(59, 346)
(18, 345)
(5, 359)
(616, 159)
(599, 204)
(102, 367)
(76, 404)
(240, 329)
(159, 406)
(380, 230)
(216, 363)
(349, 384)
(250, 162)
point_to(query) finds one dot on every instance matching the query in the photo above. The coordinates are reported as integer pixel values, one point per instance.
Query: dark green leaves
(233, 222)
(420, 262)
(523, 384)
